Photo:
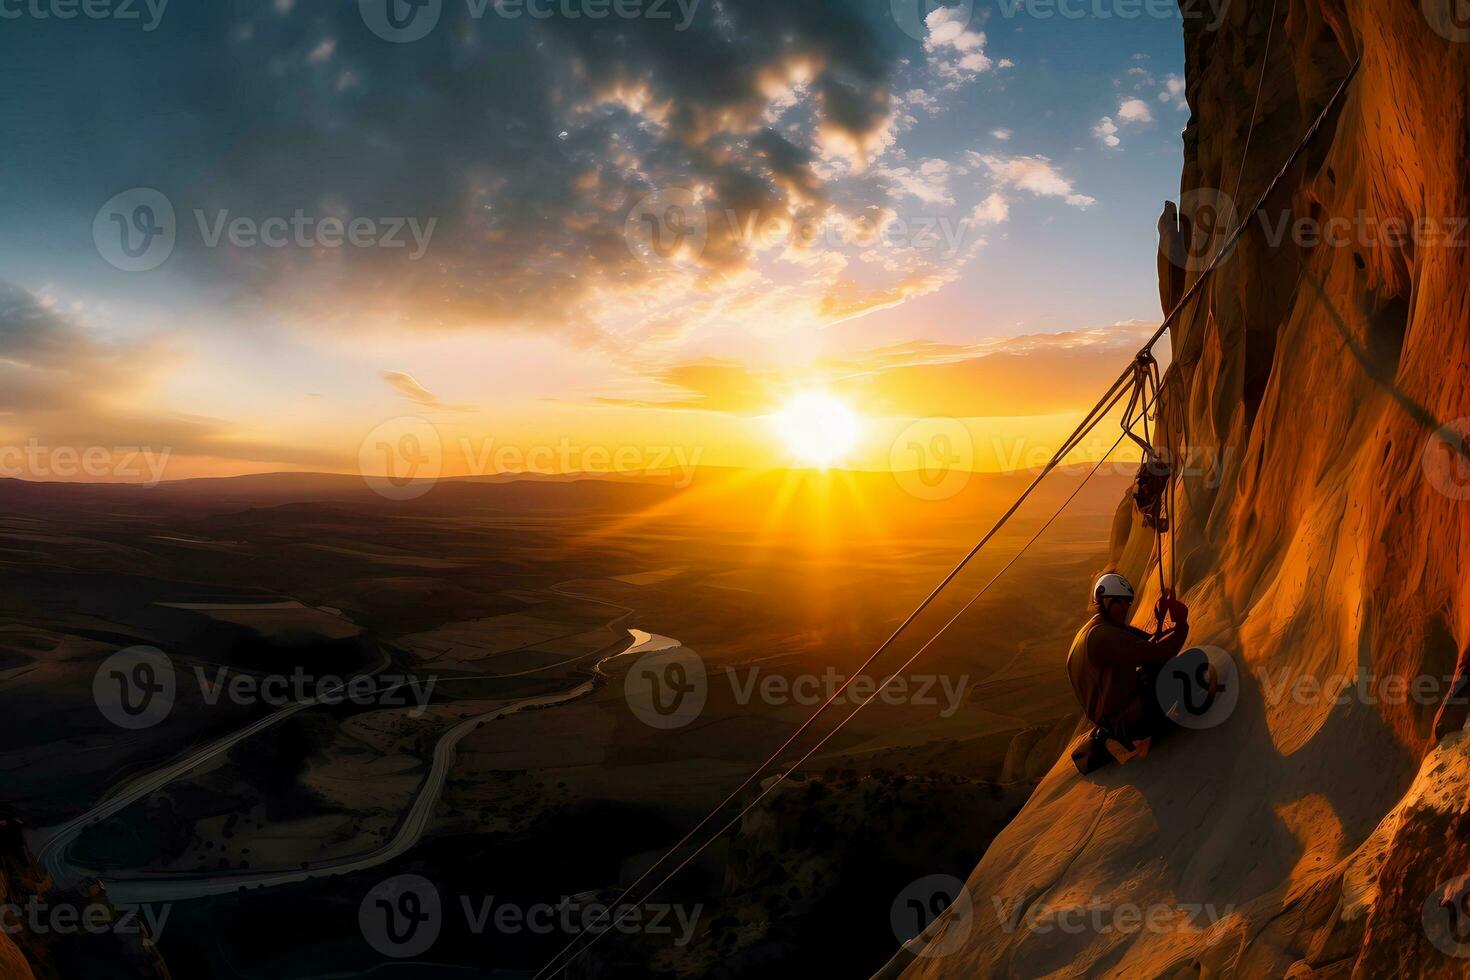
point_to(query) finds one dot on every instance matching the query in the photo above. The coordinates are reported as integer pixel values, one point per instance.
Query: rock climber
(1114, 667)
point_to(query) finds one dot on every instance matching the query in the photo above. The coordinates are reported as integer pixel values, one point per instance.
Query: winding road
(53, 844)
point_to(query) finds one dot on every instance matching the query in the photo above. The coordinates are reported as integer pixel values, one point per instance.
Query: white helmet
(1112, 586)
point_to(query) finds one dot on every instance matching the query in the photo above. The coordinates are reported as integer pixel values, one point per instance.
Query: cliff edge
(1321, 384)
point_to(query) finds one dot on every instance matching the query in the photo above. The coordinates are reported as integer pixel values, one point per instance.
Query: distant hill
(712, 495)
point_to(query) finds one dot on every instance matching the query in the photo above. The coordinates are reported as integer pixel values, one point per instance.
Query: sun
(818, 428)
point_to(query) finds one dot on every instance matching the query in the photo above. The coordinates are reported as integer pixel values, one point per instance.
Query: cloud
(529, 141)
(1001, 134)
(1135, 111)
(1131, 112)
(994, 210)
(928, 182)
(959, 53)
(1033, 174)
(1173, 92)
(922, 100)
(322, 52)
(63, 388)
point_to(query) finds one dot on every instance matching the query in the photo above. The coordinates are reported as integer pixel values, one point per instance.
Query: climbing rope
(1256, 109)
(1104, 405)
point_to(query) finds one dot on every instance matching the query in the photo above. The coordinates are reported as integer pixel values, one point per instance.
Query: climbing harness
(1154, 473)
(1153, 487)
(1144, 366)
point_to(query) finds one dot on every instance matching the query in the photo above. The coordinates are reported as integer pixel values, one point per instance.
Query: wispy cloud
(1173, 92)
(408, 386)
(1034, 174)
(994, 210)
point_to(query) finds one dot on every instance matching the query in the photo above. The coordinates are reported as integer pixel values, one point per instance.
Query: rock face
(1321, 384)
(49, 934)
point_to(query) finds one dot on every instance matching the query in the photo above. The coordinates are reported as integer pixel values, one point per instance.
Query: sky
(263, 235)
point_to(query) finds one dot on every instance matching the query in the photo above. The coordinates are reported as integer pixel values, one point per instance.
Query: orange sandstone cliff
(1322, 381)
